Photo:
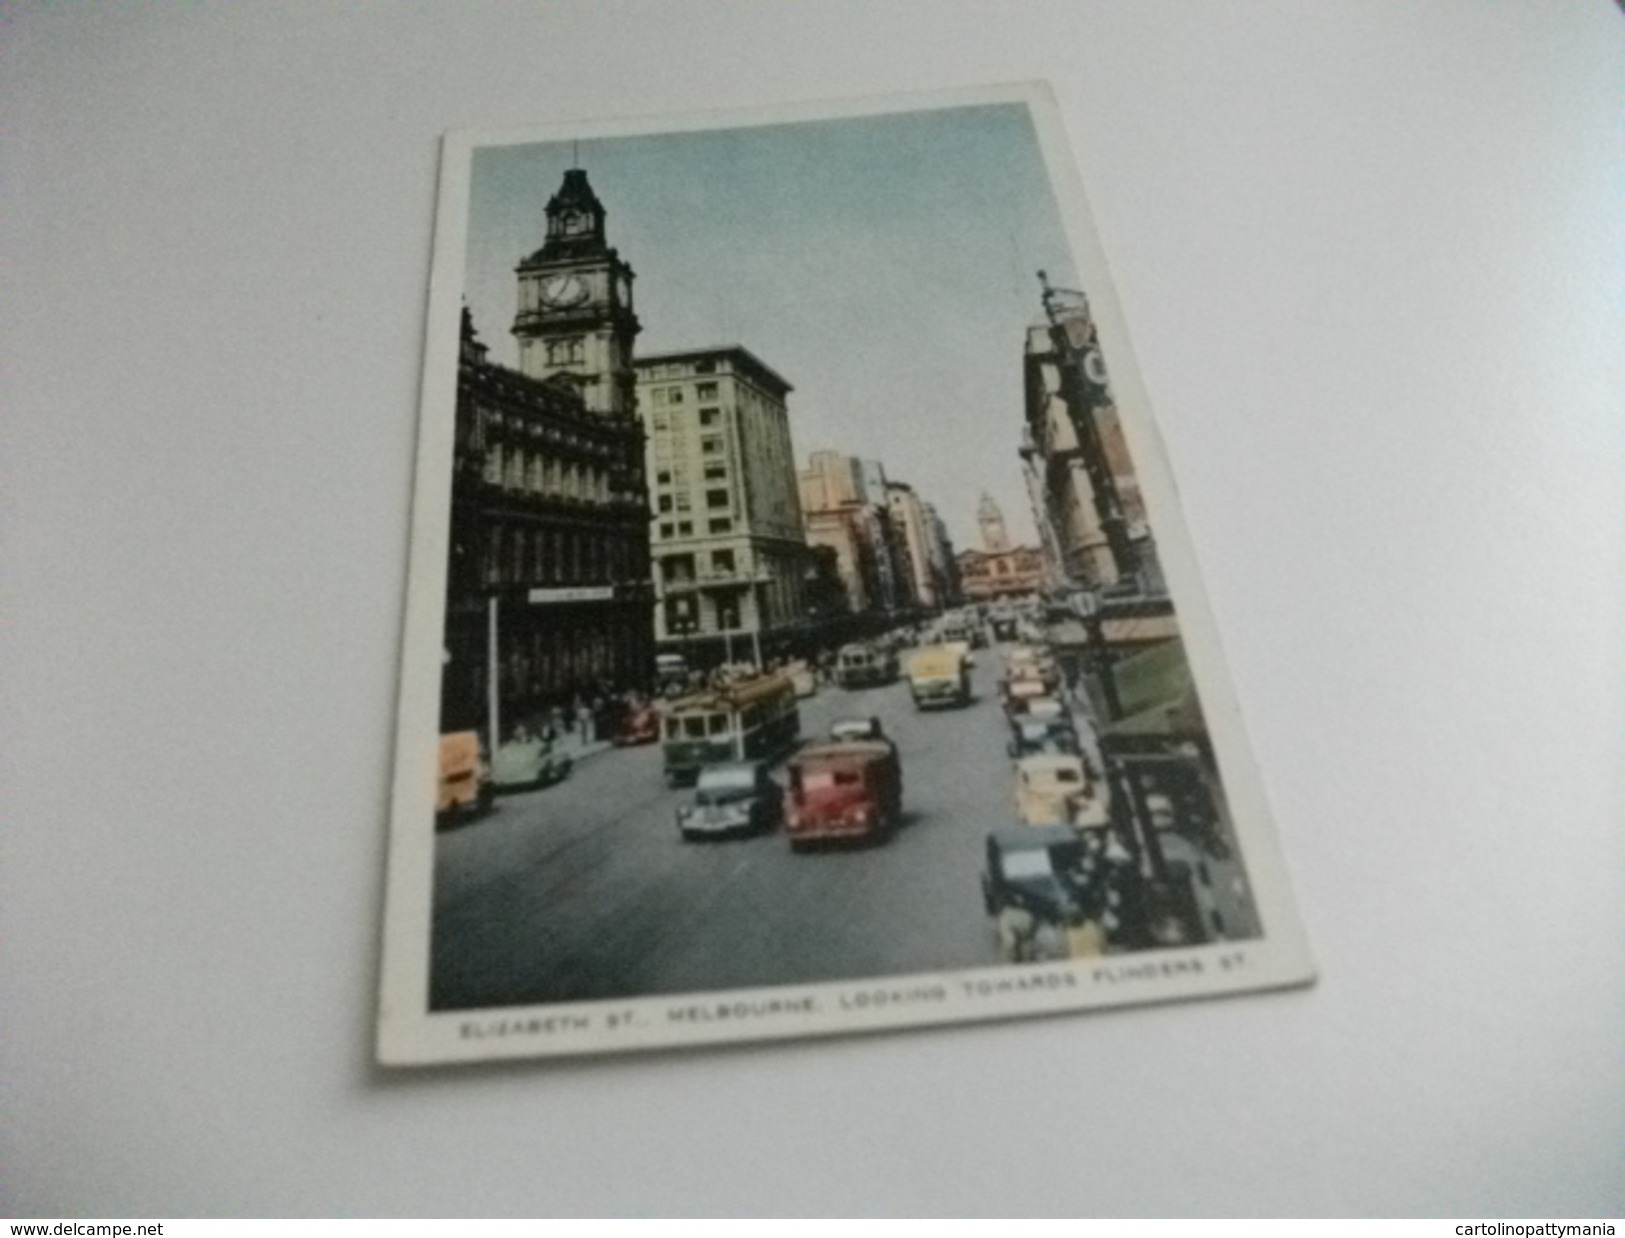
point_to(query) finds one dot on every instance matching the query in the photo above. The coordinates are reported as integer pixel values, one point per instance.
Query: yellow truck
(939, 675)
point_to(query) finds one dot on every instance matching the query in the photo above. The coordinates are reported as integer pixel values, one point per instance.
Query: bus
(749, 720)
(865, 666)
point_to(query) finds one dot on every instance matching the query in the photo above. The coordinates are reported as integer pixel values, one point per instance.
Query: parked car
(1054, 893)
(1018, 694)
(1060, 789)
(850, 789)
(735, 797)
(1046, 709)
(463, 790)
(526, 762)
(639, 725)
(1030, 736)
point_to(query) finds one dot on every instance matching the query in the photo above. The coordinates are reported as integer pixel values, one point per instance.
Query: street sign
(583, 593)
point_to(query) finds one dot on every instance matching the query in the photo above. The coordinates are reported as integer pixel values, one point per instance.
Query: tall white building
(727, 542)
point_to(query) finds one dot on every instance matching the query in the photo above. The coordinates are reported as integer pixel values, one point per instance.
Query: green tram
(750, 720)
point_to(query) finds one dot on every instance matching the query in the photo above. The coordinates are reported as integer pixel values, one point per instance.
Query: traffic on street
(641, 873)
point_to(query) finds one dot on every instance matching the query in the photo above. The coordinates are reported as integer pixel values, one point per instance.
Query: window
(685, 528)
(665, 503)
(722, 526)
(674, 395)
(684, 501)
(665, 530)
(568, 351)
(705, 367)
(705, 391)
(708, 416)
(722, 562)
(663, 478)
(716, 498)
(716, 472)
(711, 444)
(662, 422)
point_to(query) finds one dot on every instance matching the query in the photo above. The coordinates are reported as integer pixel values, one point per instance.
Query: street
(585, 891)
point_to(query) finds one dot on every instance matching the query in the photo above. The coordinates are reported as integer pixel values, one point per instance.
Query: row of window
(534, 473)
(543, 661)
(678, 475)
(557, 556)
(666, 423)
(570, 350)
(684, 618)
(714, 500)
(671, 397)
(679, 569)
(685, 528)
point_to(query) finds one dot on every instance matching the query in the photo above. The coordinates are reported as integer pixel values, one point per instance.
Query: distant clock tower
(575, 318)
(995, 540)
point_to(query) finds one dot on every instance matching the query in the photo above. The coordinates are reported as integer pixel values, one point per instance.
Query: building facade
(548, 595)
(1086, 495)
(918, 539)
(839, 513)
(998, 569)
(730, 554)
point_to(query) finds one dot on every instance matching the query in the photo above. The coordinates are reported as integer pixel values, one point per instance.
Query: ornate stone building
(548, 573)
(998, 569)
(1086, 496)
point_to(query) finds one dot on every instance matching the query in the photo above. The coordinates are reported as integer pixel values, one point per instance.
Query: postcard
(802, 634)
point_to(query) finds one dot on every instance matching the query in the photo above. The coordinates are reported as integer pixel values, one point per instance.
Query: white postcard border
(409, 1033)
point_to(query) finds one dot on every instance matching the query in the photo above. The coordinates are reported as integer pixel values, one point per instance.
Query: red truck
(851, 789)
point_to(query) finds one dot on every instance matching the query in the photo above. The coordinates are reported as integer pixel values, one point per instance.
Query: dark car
(1059, 892)
(1053, 892)
(1030, 736)
(735, 797)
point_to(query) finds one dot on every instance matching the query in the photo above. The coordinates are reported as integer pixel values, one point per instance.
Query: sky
(884, 265)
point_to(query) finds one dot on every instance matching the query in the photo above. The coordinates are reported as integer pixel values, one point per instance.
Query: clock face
(1095, 367)
(563, 291)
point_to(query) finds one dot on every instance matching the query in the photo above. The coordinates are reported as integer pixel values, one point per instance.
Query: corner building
(548, 576)
(730, 557)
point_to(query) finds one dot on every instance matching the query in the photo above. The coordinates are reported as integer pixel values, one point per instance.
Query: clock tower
(575, 319)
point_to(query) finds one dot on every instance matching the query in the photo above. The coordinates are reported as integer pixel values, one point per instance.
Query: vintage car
(1045, 709)
(1030, 736)
(736, 797)
(867, 727)
(1031, 662)
(526, 762)
(639, 725)
(939, 675)
(1017, 695)
(463, 790)
(843, 789)
(671, 671)
(1054, 893)
(1060, 789)
(865, 666)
